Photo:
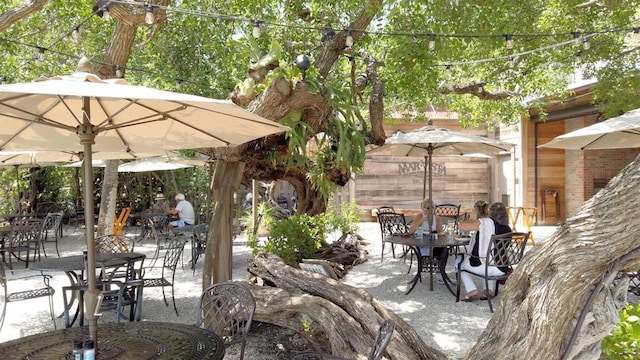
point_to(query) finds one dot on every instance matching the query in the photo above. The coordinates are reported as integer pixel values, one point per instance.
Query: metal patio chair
(172, 255)
(227, 309)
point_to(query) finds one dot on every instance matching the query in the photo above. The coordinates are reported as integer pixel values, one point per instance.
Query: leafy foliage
(300, 235)
(624, 341)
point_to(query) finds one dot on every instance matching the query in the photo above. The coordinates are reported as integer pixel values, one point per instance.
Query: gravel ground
(438, 319)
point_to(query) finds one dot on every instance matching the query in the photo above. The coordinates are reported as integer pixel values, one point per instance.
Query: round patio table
(431, 241)
(131, 340)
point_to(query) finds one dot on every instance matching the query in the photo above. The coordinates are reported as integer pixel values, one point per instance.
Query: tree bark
(344, 317)
(109, 198)
(570, 277)
(218, 254)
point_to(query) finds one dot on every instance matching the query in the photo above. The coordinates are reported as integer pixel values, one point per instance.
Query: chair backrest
(227, 309)
(392, 223)
(448, 212)
(173, 253)
(506, 249)
(44, 208)
(200, 233)
(52, 222)
(385, 209)
(24, 230)
(113, 244)
(382, 340)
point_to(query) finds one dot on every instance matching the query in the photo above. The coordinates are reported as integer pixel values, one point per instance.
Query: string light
(118, 71)
(349, 39)
(585, 43)
(103, 6)
(149, 17)
(327, 34)
(511, 62)
(76, 33)
(576, 37)
(39, 56)
(509, 39)
(256, 29)
(432, 41)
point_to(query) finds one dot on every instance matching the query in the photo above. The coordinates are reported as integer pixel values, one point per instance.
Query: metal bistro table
(432, 241)
(73, 266)
(130, 340)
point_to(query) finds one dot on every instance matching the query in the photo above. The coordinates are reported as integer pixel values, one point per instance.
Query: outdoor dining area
(126, 276)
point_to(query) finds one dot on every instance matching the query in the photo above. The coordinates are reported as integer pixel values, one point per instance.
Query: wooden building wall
(398, 181)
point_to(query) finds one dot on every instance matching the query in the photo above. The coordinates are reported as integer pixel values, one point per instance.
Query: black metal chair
(16, 296)
(50, 229)
(24, 239)
(113, 244)
(172, 255)
(227, 309)
(120, 286)
(449, 212)
(391, 223)
(504, 251)
(383, 337)
(198, 243)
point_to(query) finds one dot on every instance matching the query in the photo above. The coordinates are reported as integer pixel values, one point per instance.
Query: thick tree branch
(476, 88)
(14, 15)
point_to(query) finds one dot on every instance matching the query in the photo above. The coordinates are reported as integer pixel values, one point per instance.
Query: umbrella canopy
(110, 116)
(616, 133)
(150, 165)
(431, 140)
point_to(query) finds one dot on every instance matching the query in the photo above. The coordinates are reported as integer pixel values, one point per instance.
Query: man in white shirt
(184, 210)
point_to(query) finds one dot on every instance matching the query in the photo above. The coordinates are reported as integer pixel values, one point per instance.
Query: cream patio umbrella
(431, 140)
(111, 116)
(616, 133)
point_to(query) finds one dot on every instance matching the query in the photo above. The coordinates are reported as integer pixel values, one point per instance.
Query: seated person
(495, 220)
(421, 221)
(184, 210)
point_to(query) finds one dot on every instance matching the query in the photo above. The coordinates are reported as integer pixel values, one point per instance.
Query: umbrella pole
(87, 138)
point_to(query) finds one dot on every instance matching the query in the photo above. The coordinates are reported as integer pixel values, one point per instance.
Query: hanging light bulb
(76, 33)
(509, 39)
(39, 56)
(511, 62)
(576, 37)
(118, 71)
(432, 41)
(447, 70)
(256, 29)
(303, 63)
(3, 79)
(349, 40)
(585, 44)
(179, 83)
(149, 17)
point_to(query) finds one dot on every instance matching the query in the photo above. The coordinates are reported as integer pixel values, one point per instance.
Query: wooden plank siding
(398, 182)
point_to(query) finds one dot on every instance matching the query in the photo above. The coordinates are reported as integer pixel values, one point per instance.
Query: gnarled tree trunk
(219, 250)
(570, 277)
(345, 317)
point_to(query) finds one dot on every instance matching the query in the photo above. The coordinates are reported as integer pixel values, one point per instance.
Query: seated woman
(495, 221)
(420, 221)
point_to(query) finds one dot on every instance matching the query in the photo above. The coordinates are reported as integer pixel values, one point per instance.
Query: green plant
(297, 237)
(345, 218)
(624, 341)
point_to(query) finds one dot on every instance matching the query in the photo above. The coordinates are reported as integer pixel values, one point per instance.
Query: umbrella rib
(37, 119)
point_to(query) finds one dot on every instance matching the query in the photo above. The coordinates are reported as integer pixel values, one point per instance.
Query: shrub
(297, 237)
(624, 341)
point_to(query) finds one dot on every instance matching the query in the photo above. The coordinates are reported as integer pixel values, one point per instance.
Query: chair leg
(173, 297)
(53, 314)
(486, 286)
(4, 312)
